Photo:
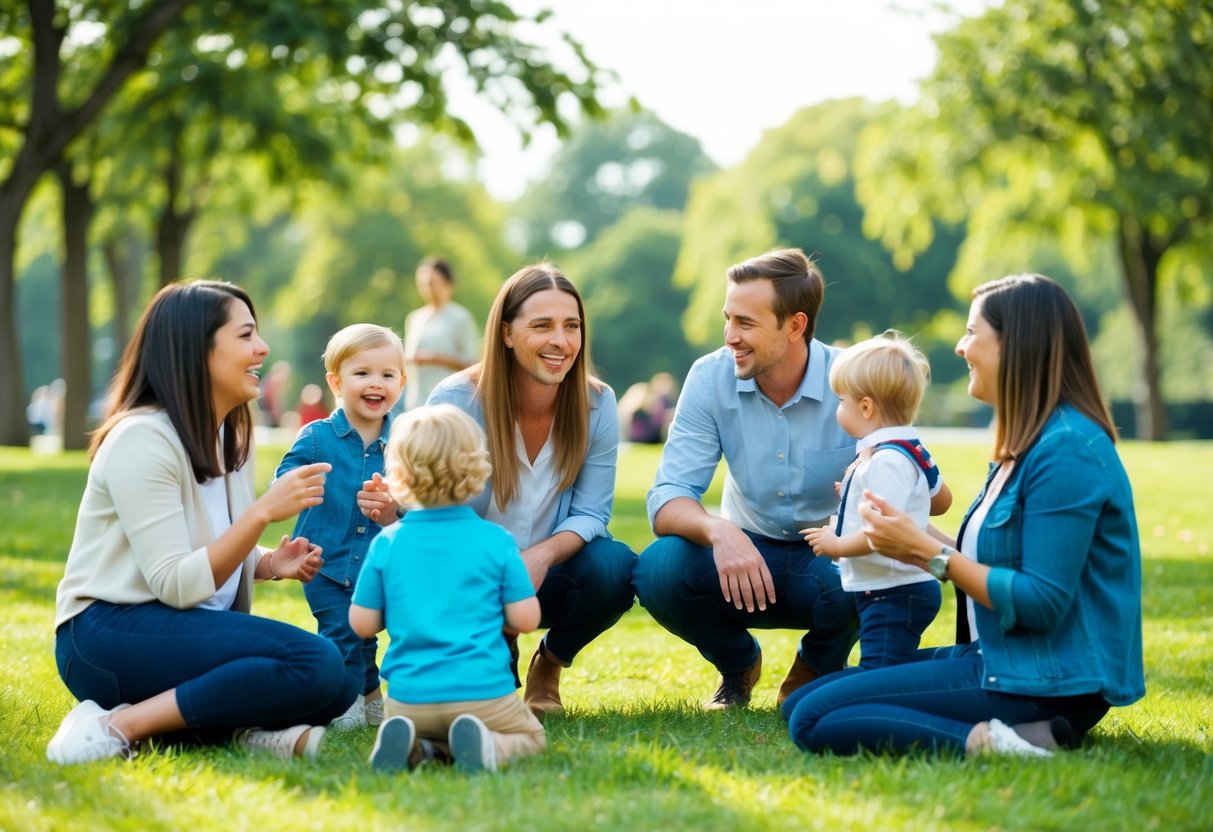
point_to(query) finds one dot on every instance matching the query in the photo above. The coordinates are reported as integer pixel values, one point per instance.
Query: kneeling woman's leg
(930, 704)
(583, 597)
(228, 669)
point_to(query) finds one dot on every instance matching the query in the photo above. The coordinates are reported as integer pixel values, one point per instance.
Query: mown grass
(634, 752)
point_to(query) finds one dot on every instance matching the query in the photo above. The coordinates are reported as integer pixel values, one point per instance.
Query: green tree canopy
(633, 306)
(1087, 120)
(797, 189)
(604, 170)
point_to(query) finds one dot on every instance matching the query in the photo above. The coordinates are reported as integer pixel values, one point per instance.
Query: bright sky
(726, 70)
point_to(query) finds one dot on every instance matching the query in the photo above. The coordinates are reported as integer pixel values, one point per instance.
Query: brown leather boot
(798, 676)
(735, 688)
(542, 693)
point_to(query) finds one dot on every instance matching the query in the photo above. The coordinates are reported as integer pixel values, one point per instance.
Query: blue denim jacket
(1065, 579)
(337, 525)
(585, 506)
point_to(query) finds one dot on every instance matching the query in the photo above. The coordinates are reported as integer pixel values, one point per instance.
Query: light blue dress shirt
(585, 506)
(782, 461)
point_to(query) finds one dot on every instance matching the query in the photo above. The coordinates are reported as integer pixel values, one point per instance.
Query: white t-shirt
(891, 475)
(214, 494)
(968, 543)
(531, 516)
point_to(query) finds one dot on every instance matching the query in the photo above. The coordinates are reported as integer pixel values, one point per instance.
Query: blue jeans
(330, 603)
(892, 621)
(932, 702)
(583, 597)
(677, 582)
(230, 669)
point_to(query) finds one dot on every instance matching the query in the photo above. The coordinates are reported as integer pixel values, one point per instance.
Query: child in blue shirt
(443, 583)
(880, 383)
(364, 366)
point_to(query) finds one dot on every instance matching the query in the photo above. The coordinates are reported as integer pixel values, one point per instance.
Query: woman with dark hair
(1048, 572)
(553, 438)
(152, 633)
(439, 337)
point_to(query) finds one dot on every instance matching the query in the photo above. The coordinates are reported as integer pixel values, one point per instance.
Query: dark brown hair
(799, 286)
(1045, 360)
(165, 366)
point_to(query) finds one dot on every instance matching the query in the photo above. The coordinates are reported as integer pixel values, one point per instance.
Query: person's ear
(799, 324)
(507, 335)
(334, 381)
(867, 407)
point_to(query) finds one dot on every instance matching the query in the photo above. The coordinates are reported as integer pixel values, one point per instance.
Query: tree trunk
(1140, 256)
(123, 256)
(14, 429)
(48, 131)
(172, 225)
(77, 343)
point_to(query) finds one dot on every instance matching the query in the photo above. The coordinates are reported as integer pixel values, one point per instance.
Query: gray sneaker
(394, 744)
(82, 737)
(472, 744)
(373, 708)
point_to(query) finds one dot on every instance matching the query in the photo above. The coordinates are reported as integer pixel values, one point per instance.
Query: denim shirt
(337, 525)
(782, 461)
(585, 506)
(1065, 577)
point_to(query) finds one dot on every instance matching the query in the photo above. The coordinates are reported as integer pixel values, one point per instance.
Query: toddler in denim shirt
(364, 366)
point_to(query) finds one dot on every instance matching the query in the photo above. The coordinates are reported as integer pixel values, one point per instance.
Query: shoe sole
(467, 740)
(393, 745)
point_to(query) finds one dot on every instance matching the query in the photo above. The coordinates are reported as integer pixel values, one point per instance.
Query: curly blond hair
(436, 456)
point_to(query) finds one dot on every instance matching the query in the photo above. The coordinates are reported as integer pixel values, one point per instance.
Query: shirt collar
(343, 428)
(814, 385)
(885, 434)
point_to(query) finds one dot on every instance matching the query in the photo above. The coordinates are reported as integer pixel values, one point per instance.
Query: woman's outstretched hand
(294, 491)
(892, 532)
(296, 558)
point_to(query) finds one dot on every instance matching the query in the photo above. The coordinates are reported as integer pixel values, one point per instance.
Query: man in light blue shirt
(763, 401)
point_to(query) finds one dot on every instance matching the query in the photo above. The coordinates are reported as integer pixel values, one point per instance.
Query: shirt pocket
(999, 543)
(821, 470)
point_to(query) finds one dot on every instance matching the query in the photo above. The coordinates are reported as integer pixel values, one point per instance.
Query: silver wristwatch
(938, 565)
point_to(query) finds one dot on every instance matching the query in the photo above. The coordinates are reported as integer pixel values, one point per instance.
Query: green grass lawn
(634, 752)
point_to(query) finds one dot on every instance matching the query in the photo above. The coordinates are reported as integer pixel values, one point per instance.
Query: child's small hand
(375, 501)
(823, 541)
(838, 488)
(297, 558)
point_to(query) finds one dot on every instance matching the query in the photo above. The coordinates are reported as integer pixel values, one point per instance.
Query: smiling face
(369, 383)
(981, 348)
(751, 330)
(545, 336)
(235, 360)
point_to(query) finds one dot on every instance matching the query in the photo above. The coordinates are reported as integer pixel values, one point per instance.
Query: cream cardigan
(142, 531)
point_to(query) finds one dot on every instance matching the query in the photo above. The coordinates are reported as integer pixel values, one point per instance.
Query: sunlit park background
(314, 152)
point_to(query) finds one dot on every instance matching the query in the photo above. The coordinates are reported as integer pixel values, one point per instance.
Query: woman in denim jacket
(1048, 575)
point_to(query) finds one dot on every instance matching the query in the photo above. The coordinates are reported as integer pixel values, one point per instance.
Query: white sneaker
(1004, 740)
(282, 743)
(393, 744)
(353, 719)
(373, 708)
(472, 744)
(82, 738)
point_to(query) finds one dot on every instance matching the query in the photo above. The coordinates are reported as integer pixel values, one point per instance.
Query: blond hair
(357, 338)
(436, 456)
(889, 370)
